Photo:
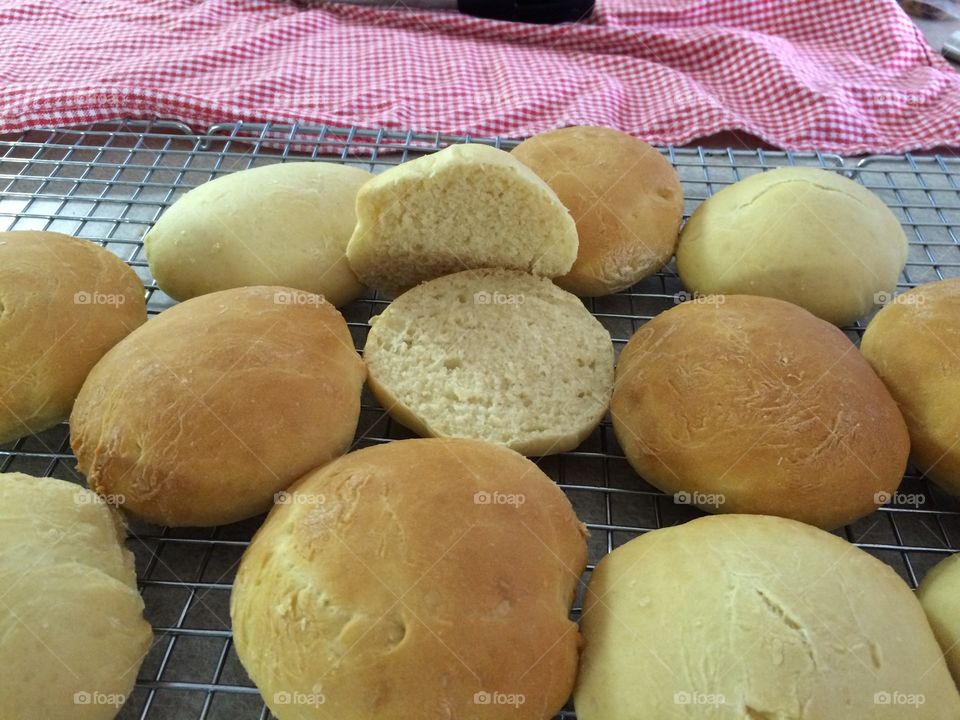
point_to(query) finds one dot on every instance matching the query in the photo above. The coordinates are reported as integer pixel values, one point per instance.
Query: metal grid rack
(109, 183)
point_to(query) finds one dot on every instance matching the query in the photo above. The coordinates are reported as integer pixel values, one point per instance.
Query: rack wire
(109, 183)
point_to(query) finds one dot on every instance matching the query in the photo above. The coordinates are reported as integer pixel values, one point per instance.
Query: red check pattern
(850, 77)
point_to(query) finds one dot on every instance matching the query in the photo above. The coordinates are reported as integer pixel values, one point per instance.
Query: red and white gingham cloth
(851, 77)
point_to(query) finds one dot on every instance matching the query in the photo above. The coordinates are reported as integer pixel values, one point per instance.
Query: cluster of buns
(433, 578)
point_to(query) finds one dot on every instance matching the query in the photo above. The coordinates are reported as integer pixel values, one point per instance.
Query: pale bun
(72, 624)
(808, 236)
(283, 224)
(939, 593)
(913, 344)
(744, 616)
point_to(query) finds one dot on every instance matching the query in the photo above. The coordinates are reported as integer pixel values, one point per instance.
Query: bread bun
(467, 206)
(940, 596)
(283, 224)
(914, 346)
(750, 404)
(205, 412)
(72, 621)
(63, 303)
(497, 355)
(808, 236)
(625, 197)
(746, 616)
(417, 580)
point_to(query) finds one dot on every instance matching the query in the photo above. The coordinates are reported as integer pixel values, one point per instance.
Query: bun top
(758, 617)
(406, 578)
(36, 511)
(63, 303)
(72, 621)
(623, 194)
(281, 224)
(758, 401)
(805, 235)
(914, 345)
(202, 414)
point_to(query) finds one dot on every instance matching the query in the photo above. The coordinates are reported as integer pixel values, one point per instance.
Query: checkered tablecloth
(851, 77)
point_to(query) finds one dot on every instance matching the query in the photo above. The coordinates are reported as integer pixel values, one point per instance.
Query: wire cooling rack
(110, 183)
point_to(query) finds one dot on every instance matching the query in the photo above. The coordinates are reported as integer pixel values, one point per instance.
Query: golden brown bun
(387, 588)
(804, 235)
(63, 303)
(204, 413)
(744, 617)
(756, 400)
(283, 224)
(914, 346)
(940, 596)
(71, 618)
(625, 197)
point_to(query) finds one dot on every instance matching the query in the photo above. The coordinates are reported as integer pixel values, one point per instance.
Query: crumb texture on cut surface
(497, 355)
(747, 617)
(465, 207)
